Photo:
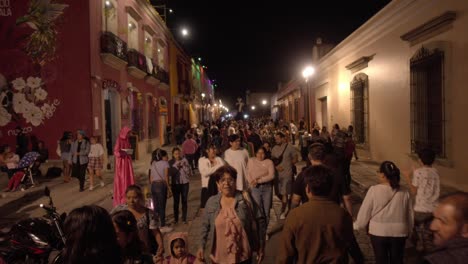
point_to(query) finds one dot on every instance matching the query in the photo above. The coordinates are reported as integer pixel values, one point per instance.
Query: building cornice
(431, 28)
(359, 64)
(133, 13)
(394, 14)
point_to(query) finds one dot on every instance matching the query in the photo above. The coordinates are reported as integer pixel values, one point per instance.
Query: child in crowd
(95, 162)
(179, 250)
(426, 186)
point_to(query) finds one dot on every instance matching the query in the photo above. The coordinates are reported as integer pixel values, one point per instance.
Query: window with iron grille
(427, 101)
(359, 107)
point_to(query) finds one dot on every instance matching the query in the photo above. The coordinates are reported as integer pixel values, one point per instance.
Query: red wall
(66, 78)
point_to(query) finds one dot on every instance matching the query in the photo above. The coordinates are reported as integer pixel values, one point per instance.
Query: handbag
(381, 209)
(277, 161)
(255, 243)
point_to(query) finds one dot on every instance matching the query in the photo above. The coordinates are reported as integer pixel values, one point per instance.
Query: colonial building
(400, 80)
(108, 67)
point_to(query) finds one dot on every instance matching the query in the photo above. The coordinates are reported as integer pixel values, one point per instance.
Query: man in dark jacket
(450, 227)
(254, 138)
(319, 231)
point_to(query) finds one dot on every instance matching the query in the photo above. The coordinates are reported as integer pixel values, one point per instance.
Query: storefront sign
(5, 8)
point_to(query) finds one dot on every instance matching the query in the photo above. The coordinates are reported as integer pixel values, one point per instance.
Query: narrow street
(20, 205)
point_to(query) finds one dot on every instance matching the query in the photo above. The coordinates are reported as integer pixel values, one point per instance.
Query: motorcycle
(34, 240)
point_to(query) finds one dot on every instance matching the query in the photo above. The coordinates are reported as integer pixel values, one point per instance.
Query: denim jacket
(84, 151)
(212, 208)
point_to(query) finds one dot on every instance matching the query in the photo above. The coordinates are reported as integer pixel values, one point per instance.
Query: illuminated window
(109, 16)
(132, 29)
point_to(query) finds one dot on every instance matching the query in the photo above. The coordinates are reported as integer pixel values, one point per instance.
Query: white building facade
(401, 81)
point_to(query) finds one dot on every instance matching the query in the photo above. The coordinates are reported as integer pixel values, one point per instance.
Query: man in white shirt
(426, 186)
(237, 158)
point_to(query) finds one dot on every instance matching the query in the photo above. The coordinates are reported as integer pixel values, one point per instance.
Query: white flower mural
(19, 101)
(5, 117)
(34, 116)
(40, 94)
(48, 110)
(34, 82)
(29, 101)
(19, 84)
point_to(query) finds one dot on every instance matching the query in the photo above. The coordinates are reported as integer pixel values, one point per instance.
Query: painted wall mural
(25, 99)
(31, 40)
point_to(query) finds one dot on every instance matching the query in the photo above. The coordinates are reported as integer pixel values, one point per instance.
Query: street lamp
(253, 107)
(184, 32)
(307, 73)
(264, 102)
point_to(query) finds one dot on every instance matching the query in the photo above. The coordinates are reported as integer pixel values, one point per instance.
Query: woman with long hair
(147, 221)
(260, 175)
(91, 237)
(180, 173)
(159, 181)
(207, 165)
(129, 241)
(65, 154)
(387, 210)
(235, 225)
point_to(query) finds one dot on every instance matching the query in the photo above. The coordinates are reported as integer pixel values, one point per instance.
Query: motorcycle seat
(5, 234)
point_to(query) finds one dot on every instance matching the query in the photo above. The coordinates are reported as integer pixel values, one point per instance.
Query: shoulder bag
(381, 209)
(277, 161)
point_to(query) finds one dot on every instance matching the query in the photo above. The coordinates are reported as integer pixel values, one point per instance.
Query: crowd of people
(242, 166)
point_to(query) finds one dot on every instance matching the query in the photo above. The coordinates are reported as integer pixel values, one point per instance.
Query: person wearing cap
(79, 150)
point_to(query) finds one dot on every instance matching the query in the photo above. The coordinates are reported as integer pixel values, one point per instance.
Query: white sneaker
(283, 216)
(102, 184)
(91, 188)
(165, 229)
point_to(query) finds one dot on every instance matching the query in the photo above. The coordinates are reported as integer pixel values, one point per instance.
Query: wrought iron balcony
(136, 64)
(113, 50)
(162, 75)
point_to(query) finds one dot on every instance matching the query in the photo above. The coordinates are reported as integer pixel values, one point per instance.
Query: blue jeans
(159, 193)
(262, 194)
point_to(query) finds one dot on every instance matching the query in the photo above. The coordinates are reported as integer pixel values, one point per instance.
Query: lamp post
(307, 73)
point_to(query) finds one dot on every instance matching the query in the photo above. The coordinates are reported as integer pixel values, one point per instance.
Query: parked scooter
(34, 240)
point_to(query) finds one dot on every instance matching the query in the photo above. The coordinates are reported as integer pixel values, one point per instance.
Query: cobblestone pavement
(18, 205)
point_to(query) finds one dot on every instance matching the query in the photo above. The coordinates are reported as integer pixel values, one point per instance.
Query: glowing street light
(203, 95)
(185, 32)
(253, 107)
(264, 102)
(308, 71)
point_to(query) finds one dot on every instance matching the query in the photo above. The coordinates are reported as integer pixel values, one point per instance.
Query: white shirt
(427, 181)
(395, 220)
(96, 151)
(238, 159)
(206, 169)
(293, 128)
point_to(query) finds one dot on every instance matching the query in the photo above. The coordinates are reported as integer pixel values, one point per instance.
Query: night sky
(256, 44)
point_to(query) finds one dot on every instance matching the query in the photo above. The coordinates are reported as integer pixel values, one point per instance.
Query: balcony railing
(136, 59)
(162, 75)
(112, 44)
